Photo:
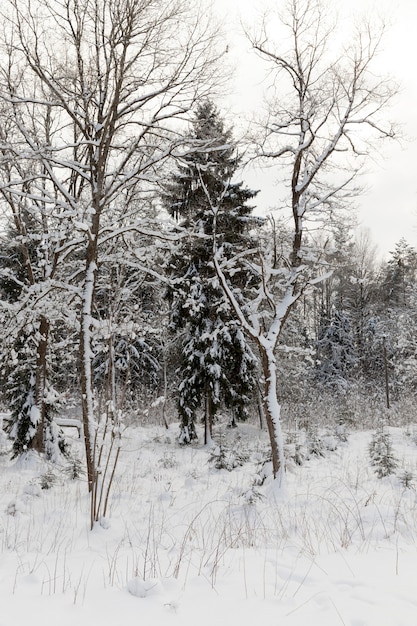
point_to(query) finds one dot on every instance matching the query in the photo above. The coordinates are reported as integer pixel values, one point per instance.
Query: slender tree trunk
(387, 398)
(40, 383)
(260, 406)
(86, 366)
(208, 419)
(272, 411)
(164, 404)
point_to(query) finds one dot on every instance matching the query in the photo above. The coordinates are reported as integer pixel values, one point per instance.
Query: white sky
(389, 208)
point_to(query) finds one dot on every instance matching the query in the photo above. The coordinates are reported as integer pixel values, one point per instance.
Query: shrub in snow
(48, 479)
(294, 450)
(264, 472)
(315, 445)
(252, 495)
(74, 468)
(341, 432)
(407, 479)
(381, 453)
(15, 507)
(222, 457)
(168, 461)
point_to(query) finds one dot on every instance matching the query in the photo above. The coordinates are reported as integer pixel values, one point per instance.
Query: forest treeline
(165, 332)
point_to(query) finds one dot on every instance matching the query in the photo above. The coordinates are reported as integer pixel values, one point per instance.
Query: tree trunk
(40, 384)
(260, 406)
(387, 399)
(272, 411)
(86, 366)
(208, 419)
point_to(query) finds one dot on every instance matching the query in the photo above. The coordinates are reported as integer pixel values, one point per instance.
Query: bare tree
(116, 74)
(323, 114)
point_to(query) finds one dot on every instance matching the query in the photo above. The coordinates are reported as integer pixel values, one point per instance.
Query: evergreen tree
(216, 365)
(404, 352)
(336, 356)
(18, 374)
(26, 354)
(400, 273)
(381, 452)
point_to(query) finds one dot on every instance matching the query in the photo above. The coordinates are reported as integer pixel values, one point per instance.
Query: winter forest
(177, 366)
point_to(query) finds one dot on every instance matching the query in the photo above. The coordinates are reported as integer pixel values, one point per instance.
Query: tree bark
(86, 368)
(272, 411)
(208, 419)
(40, 384)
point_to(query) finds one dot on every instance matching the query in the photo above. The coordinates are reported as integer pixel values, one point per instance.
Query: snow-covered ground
(189, 544)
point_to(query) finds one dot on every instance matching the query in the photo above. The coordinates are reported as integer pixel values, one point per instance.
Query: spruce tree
(216, 365)
(399, 274)
(25, 353)
(336, 351)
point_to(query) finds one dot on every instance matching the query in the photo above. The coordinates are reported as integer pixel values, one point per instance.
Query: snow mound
(144, 588)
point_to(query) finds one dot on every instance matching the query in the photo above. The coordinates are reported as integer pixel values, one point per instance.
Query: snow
(186, 542)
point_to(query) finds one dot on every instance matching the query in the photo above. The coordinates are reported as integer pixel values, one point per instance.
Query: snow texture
(187, 543)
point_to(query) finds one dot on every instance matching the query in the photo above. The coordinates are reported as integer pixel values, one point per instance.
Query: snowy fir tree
(18, 375)
(400, 344)
(381, 452)
(25, 354)
(400, 274)
(336, 358)
(18, 362)
(216, 365)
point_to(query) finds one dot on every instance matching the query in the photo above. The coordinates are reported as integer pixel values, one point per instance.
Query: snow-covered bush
(223, 457)
(381, 453)
(74, 468)
(294, 449)
(341, 432)
(407, 479)
(314, 444)
(168, 461)
(48, 479)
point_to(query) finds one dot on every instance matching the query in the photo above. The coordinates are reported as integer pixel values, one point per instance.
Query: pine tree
(215, 364)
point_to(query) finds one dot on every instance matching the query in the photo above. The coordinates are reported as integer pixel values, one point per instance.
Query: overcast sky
(389, 208)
